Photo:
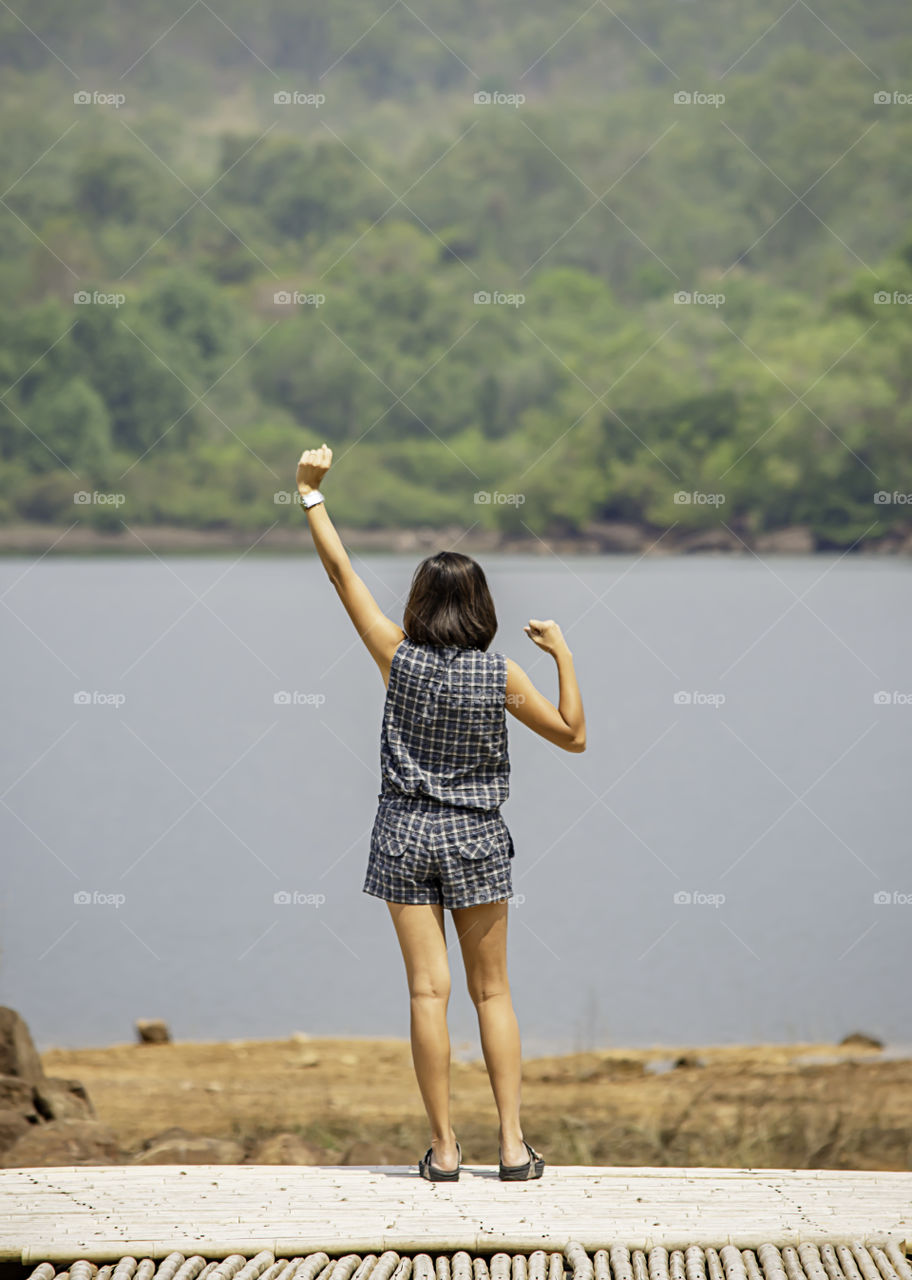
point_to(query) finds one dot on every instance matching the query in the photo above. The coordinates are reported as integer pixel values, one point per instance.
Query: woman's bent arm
(564, 724)
(570, 703)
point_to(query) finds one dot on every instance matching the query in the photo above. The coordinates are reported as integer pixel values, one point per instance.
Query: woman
(439, 840)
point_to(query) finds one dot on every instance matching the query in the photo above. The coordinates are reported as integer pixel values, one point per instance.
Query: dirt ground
(767, 1106)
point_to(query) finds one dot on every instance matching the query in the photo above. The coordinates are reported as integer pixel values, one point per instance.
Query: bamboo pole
(771, 1262)
(619, 1256)
(714, 1266)
(847, 1262)
(365, 1267)
(831, 1262)
(538, 1265)
(898, 1259)
(311, 1267)
(389, 1261)
(579, 1260)
(189, 1269)
(168, 1267)
(256, 1266)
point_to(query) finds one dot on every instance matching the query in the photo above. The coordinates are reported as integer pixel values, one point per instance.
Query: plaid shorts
(425, 851)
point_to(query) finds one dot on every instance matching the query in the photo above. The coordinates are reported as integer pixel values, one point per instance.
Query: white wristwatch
(311, 499)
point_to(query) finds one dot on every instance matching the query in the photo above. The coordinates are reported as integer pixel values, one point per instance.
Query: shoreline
(311, 1099)
(598, 538)
(769, 1051)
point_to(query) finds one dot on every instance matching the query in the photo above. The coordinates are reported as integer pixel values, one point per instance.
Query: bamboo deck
(107, 1213)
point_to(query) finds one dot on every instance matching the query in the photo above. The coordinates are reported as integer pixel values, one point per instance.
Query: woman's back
(444, 732)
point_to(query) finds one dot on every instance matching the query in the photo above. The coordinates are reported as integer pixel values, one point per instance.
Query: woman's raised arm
(564, 724)
(380, 634)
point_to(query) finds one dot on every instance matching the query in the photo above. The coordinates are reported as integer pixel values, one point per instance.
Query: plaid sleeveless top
(444, 731)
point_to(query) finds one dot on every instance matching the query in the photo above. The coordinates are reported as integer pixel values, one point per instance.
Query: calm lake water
(707, 872)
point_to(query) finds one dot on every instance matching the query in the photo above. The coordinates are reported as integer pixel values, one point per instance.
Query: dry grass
(763, 1107)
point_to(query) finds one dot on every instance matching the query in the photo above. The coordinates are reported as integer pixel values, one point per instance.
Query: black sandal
(533, 1168)
(433, 1174)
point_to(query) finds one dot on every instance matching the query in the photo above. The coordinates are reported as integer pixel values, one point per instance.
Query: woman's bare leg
(482, 934)
(422, 938)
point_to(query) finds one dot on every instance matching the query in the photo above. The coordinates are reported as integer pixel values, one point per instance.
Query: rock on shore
(44, 1120)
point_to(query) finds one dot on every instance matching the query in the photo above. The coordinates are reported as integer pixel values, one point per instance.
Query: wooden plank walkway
(106, 1212)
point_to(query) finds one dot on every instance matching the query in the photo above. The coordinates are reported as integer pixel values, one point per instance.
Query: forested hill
(452, 239)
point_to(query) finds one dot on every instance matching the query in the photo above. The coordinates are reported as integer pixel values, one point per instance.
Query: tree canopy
(595, 297)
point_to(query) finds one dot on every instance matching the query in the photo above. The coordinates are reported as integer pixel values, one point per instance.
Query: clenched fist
(312, 467)
(547, 635)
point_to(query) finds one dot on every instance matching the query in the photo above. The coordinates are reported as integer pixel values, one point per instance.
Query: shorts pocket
(478, 849)
(491, 837)
(395, 834)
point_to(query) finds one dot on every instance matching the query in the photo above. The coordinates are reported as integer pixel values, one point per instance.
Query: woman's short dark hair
(450, 603)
